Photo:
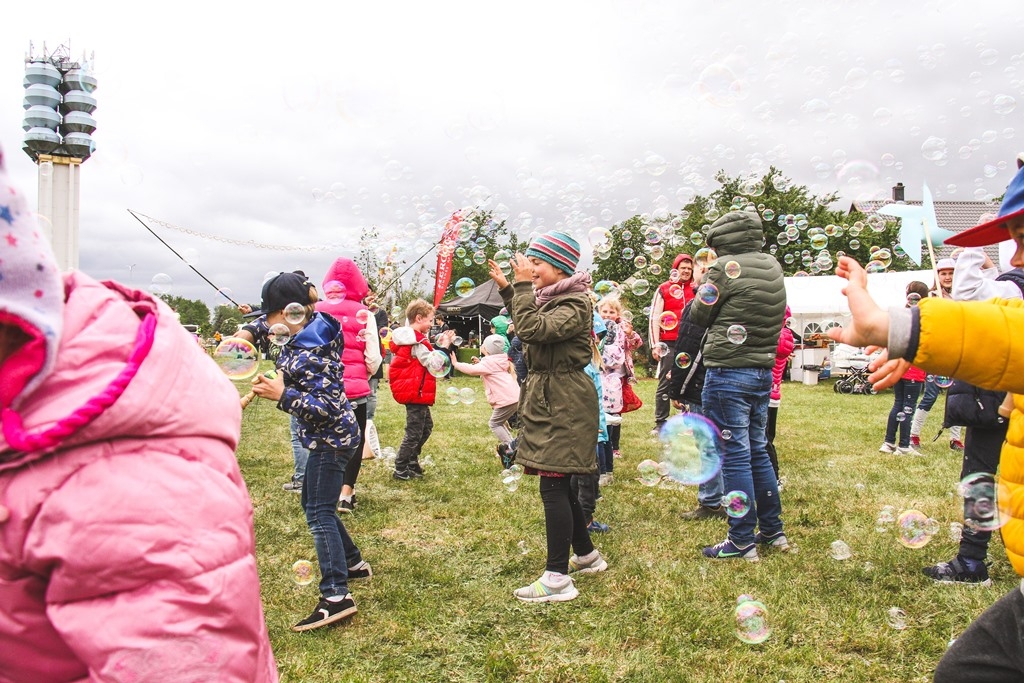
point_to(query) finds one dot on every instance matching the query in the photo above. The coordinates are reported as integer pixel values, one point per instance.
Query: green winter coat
(754, 300)
(558, 404)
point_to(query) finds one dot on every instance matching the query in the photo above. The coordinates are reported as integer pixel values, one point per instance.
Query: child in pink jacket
(500, 383)
(127, 550)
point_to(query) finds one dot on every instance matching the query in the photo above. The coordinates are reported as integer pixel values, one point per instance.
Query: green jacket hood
(737, 232)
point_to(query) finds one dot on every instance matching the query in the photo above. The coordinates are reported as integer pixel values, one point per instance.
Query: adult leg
(991, 650)
(662, 404)
(981, 454)
(894, 412)
(931, 393)
(773, 416)
(767, 504)
(299, 453)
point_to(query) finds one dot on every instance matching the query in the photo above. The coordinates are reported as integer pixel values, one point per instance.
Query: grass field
(448, 550)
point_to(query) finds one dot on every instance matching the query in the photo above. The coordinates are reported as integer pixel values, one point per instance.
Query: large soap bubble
(691, 449)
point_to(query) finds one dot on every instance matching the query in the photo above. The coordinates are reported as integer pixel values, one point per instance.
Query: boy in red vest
(413, 386)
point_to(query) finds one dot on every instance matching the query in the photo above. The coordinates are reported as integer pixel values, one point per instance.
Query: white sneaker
(538, 591)
(596, 564)
(605, 479)
(909, 450)
(888, 448)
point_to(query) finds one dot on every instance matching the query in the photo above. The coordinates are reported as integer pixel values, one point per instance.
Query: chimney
(897, 192)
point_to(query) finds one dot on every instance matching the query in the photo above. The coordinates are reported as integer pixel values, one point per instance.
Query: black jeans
(981, 454)
(565, 523)
(356, 463)
(418, 425)
(992, 647)
(662, 404)
(773, 417)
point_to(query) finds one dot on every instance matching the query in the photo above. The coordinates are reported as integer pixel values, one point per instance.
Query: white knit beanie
(31, 292)
(493, 344)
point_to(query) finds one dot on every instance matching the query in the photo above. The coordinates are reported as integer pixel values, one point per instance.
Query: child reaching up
(310, 386)
(500, 384)
(552, 313)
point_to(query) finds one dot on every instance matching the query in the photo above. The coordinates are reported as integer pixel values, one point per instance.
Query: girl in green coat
(558, 406)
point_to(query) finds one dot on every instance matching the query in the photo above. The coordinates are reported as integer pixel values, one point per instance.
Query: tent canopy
(820, 299)
(484, 302)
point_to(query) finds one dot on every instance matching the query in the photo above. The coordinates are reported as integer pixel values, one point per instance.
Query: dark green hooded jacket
(751, 296)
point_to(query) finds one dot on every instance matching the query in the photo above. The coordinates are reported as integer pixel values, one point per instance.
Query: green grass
(446, 556)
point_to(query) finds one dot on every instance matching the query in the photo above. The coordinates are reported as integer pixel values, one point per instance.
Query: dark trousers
(356, 462)
(905, 395)
(992, 647)
(981, 454)
(614, 433)
(418, 425)
(773, 416)
(585, 486)
(321, 488)
(662, 404)
(565, 523)
(605, 458)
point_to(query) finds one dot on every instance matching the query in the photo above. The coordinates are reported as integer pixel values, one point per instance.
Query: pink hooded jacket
(127, 550)
(346, 309)
(500, 385)
(782, 351)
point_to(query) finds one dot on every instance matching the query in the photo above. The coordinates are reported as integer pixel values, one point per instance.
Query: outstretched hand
(869, 325)
(494, 270)
(885, 371)
(521, 267)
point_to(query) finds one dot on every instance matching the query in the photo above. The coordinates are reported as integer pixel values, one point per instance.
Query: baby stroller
(857, 381)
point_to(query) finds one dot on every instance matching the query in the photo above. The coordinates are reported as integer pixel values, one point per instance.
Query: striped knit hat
(558, 249)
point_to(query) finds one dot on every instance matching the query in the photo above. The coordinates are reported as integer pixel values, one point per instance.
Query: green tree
(226, 320)
(480, 238)
(191, 312)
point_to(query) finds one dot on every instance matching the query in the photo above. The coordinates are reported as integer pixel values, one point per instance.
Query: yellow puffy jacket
(982, 342)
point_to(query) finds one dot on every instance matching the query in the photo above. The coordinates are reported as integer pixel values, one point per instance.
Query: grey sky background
(301, 125)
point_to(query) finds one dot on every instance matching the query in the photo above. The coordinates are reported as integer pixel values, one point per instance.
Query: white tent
(818, 303)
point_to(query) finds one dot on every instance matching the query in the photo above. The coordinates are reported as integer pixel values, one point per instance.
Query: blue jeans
(736, 399)
(709, 494)
(299, 453)
(931, 393)
(371, 400)
(905, 395)
(321, 488)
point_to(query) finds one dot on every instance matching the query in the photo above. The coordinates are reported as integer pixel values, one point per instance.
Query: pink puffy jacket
(500, 385)
(127, 553)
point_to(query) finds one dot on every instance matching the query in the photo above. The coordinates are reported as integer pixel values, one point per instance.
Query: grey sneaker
(887, 448)
(596, 564)
(295, 486)
(538, 591)
(776, 542)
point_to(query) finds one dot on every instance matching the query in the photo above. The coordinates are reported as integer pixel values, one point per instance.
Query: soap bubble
(479, 258)
(691, 449)
(726, 434)
(467, 395)
(451, 395)
(912, 529)
(438, 364)
(640, 287)
(737, 503)
(295, 313)
(943, 382)
(303, 573)
(334, 291)
(897, 618)
(503, 258)
(661, 349)
(737, 334)
(840, 551)
(605, 287)
(707, 294)
(706, 256)
(648, 472)
(683, 360)
(982, 496)
(362, 316)
(599, 237)
(956, 531)
(510, 478)
(279, 334)
(751, 621)
(668, 321)
(465, 286)
(732, 270)
(237, 358)
(161, 284)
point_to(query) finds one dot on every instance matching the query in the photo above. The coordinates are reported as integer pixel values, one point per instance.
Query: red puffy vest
(410, 382)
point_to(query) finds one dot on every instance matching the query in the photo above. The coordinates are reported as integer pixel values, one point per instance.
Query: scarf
(578, 282)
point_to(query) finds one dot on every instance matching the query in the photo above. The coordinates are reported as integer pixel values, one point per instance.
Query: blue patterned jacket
(314, 388)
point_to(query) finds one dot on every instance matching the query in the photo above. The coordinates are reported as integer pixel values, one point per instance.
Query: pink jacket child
(500, 383)
(782, 353)
(127, 550)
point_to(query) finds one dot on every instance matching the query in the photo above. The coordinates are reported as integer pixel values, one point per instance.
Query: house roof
(954, 216)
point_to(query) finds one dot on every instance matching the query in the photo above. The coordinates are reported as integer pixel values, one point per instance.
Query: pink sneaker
(616, 454)
(915, 441)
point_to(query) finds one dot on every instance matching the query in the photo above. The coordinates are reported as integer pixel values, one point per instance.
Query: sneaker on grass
(360, 570)
(776, 542)
(541, 591)
(727, 550)
(909, 450)
(346, 506)
(956, 445)
(587, 564)
(328, 612)
(401, 475)
(295, 486)
(887, 448)
(958, 570)
(596, 527)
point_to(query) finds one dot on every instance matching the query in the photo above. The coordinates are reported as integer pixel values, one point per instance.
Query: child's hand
(521, 267)
(870, 324)
(268, 387)
(495, 272)
(474, 360)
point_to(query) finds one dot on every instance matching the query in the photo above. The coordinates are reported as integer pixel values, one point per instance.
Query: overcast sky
(301, 125)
